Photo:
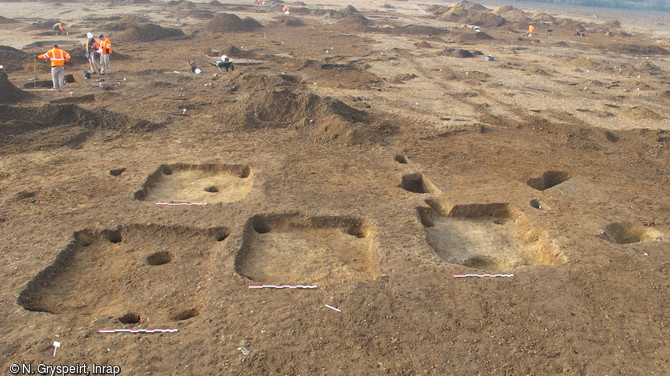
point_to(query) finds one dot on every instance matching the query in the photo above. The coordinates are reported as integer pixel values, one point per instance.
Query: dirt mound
(470, 13)
(4, 20)
(512, 14)
(457, 52)
(538, 71)
(327, 13)
(643, 114)
(289, 21)
(356, 22)
(350, 11)
(129, 2)
(201, 14)
(470, 6)
(56, 125)
(271, 102)
(13, 59)
(133, 19)
(638, 49)
(570, 24)
(9, 93)
(618, 34)
(231, 23)
(231, 51)
(582, 62)
(125, 22)
(486, 19)
(400, 78)
(340, 76)
(148, 33)
(545, 18)
(474, 36)
(43, 25)
(181, 4)
(645, 66)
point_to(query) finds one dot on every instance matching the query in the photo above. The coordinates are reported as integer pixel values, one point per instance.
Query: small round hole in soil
(185, 315)
(140, 195)
(536, 203)
(160, 258)
(117, 171)
(261, 227)
(114, 236)
(211, 189)
(167, 171)
(130, 318)
(401, 159)
(221, 237)
(357, 232)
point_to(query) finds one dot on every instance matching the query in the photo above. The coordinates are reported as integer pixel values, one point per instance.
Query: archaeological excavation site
(376, 188)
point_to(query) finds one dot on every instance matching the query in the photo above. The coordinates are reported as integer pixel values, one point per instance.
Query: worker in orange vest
(286, 9)
(59, 28)
(58, 58)
(93, 53)
(531, 30)
(105, 51)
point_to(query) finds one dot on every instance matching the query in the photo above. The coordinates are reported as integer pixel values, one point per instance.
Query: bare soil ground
(371, 149)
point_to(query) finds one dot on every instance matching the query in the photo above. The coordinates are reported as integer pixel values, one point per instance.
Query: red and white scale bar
(282, 287)
(483, 275)
(181, 203)
(138, 330)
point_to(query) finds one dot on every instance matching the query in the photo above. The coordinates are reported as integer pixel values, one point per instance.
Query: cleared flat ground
(370, 150)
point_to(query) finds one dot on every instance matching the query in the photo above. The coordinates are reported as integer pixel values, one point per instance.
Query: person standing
(106, 50)
(58, 59)
(531, 30)
(92, 53)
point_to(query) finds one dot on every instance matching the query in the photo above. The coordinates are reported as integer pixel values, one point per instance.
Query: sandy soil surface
(371, 149)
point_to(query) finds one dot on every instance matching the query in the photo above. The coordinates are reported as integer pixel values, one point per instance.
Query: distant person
(531, 30)
(59, 28)
(93, 53)
(105, 51)
(225, 63)
(286, 9)
(58, 59)
(3, 73)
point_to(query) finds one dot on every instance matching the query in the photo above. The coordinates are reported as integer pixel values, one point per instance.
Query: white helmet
(224, 58)
(89, 35)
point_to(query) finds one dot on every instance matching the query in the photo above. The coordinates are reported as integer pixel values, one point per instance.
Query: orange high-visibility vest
(57, 56)
(106, 46)
(93, 47)
(58, 25)
(531, 28)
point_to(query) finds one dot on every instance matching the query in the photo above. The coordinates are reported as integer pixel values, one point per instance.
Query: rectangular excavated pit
(490, 237)
(211, 183)
(293, 249)
(135, 273)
